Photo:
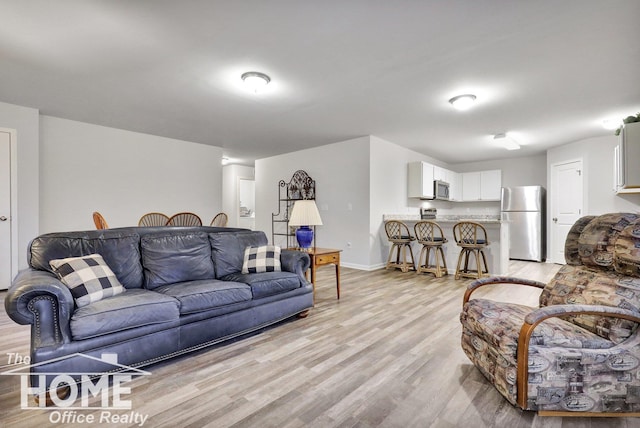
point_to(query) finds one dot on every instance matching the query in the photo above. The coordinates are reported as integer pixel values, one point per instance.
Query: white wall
(26, 123)
(357, 181)
(523, 171)
(597, 158)
(388, 163)
(341, 171)
(230, 197)
(122, 174)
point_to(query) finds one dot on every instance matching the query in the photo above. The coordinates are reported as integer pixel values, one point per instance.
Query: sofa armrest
(537, 316)
(499, 280)
(40, 299)
(295, 261)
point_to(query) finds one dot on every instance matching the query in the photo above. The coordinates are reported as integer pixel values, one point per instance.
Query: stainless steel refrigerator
(523, 209)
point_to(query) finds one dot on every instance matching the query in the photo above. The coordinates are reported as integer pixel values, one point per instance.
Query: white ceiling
(548, 71)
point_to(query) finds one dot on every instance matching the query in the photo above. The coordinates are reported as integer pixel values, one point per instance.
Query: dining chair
(184, 219)
(99, 221)
(220, 220)
(153, 219)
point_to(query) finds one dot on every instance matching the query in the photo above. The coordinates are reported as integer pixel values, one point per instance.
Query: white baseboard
(363, 267)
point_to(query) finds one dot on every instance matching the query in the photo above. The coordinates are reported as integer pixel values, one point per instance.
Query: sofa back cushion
(596, 244)
(571, 246)
(626, 258)
(227, 249)
(175, 257)
(118, 248)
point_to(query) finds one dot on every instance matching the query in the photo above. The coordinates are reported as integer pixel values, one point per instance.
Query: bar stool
(472, 238)
(430, 235)
(400, 238)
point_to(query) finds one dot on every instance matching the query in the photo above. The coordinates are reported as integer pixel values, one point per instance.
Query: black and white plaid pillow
(265, 258)
(89, 278)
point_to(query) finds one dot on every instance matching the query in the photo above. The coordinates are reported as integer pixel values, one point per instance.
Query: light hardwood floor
(386, 354)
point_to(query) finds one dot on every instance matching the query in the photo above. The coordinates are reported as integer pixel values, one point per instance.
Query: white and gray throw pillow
(265, 258)
(88, 277)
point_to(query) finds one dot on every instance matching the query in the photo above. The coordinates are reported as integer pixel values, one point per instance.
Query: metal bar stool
(400, 238)
(430, 235)
(472, 238)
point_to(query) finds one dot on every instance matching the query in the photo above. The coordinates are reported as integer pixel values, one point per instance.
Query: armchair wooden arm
(498, 280)
(536, 317)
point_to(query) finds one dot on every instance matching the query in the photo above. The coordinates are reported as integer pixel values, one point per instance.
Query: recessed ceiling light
(463, 102)
(255, 81)
(506, 141)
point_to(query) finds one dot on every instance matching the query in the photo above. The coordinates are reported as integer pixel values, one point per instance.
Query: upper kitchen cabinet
(490, 185)
(470, 186)
(626, 155)
(439, 173)
(481, 185)
(420, 180)
(455, 185)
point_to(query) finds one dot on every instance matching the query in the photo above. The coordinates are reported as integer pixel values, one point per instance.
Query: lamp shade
(305, 213)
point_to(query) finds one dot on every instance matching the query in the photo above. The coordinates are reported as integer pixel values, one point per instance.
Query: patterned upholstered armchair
(579, 352)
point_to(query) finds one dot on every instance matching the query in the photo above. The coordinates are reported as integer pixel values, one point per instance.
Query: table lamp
(304, 214)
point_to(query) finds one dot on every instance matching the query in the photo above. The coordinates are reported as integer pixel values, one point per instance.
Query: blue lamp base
(304, 236)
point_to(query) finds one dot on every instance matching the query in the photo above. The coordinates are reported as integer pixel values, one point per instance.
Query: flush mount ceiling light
(463, 102)
(507, 142)
(255, 81)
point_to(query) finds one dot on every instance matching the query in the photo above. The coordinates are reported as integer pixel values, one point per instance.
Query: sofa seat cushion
(135, 308)
(198, 296)
(498, 324)
(266, 283)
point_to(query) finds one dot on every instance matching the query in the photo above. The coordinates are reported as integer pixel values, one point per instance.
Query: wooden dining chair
(99, 221)
(184, 219)
(153, 219)
(220, 220)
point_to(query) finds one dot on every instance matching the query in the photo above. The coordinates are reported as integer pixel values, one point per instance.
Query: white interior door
(5, 211)
(566, 204)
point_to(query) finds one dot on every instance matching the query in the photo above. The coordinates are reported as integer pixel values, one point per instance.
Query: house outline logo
(83, 387)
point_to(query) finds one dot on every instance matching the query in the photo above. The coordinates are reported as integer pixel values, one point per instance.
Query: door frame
(237, 205)
(552, 204)
(13, 200)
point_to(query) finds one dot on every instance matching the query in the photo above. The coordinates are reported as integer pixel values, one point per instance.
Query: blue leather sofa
(184, 291)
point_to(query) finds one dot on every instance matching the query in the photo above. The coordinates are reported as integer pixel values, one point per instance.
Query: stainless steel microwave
(440, 190)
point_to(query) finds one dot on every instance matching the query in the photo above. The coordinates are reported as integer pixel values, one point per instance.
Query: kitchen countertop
(446, 218)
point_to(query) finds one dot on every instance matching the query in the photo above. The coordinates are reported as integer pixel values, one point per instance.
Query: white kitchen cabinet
(470, 186)
(439, 173)
(490, 185)
(420, 180)
(618, 173)
(455, 185)
(627, 153)
(481, 185)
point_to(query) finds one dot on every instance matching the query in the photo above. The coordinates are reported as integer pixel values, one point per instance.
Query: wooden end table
(320, 257)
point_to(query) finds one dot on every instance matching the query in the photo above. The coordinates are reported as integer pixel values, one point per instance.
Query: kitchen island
(497, 233)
